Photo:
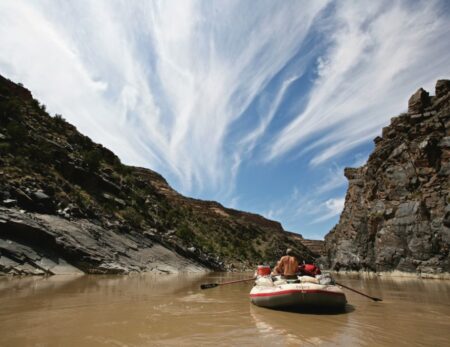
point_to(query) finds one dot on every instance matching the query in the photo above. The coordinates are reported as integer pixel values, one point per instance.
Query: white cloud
(335, 179)
(380, 53)
(250, 139)
(329, 209)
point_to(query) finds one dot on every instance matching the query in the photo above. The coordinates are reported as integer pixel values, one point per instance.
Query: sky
(259, 105)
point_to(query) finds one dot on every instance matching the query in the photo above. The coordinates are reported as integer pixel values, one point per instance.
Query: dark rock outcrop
(69, 205)
(397, 208)
(39, 244)
(442, 88)
(418, 101)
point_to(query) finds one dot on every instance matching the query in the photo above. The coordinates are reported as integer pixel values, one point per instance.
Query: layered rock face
(397, 207)
(42, 244)
(317, 247)
(69, 205)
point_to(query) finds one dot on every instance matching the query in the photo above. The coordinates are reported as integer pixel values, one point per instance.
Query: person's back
(287, 266)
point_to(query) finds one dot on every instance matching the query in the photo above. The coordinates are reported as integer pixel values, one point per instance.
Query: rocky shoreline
(42, 244)
(445, 276)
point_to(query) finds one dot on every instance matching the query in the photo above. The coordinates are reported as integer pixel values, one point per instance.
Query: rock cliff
(315, 246)
(69, 205)
(397, 207)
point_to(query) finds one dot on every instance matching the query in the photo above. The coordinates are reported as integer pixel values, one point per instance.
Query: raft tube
(298, 295)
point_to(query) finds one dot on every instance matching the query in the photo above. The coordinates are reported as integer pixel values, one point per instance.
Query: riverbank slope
(68, 204)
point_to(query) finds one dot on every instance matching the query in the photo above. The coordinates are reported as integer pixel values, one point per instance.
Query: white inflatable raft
(283, 295)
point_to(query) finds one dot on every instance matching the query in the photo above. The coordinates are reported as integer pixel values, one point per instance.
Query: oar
(213, 285)
(354, 290)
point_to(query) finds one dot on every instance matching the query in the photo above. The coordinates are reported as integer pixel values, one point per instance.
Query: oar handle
(213, 285)
(238, 281)
(354, 290)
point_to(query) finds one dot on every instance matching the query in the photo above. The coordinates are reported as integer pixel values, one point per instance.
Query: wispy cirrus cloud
(332, 208)
(379, 52)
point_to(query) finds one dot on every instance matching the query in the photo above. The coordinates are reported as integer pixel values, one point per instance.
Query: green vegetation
(81, 198)
(132, 216)
(92, 158)
(16, 131)
(185, 233)
(59, 122)
(5, 148)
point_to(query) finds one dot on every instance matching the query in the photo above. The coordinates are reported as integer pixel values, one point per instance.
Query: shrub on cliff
(184, 233)
(16, 131)
(59, 121)
(92, 159)
(9, 109)
(132, 217)
(5, 148)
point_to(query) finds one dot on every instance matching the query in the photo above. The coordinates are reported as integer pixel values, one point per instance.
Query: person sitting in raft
(287, 266)
(308, 270)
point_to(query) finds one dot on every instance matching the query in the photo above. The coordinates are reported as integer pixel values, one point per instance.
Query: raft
(284, 295)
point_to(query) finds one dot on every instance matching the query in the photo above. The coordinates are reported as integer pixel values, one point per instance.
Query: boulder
(442, 88)
(24, 200)
(418, 101)
(43, 203)
(9, 202)
(40, 196)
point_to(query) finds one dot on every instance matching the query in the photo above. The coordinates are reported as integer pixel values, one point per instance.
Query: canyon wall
(397, 208)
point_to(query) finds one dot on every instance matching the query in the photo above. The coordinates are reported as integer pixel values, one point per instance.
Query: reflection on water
(171, 310)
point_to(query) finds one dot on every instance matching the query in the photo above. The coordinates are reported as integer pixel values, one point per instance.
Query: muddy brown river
(171, 310)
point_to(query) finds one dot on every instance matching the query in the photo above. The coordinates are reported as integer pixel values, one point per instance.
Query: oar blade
(377, 299)
(209, 285)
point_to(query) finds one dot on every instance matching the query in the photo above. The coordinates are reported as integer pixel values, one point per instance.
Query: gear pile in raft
(309, 289)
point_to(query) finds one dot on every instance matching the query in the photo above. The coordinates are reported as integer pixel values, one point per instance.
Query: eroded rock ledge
(39, 244)
(397, 208)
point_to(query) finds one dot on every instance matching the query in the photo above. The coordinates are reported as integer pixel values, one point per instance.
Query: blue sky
(259, 105)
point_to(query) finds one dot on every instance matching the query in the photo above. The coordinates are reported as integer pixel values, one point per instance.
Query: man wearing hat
(287, 266)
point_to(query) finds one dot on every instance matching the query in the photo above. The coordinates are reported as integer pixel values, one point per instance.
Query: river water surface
(171, 310)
